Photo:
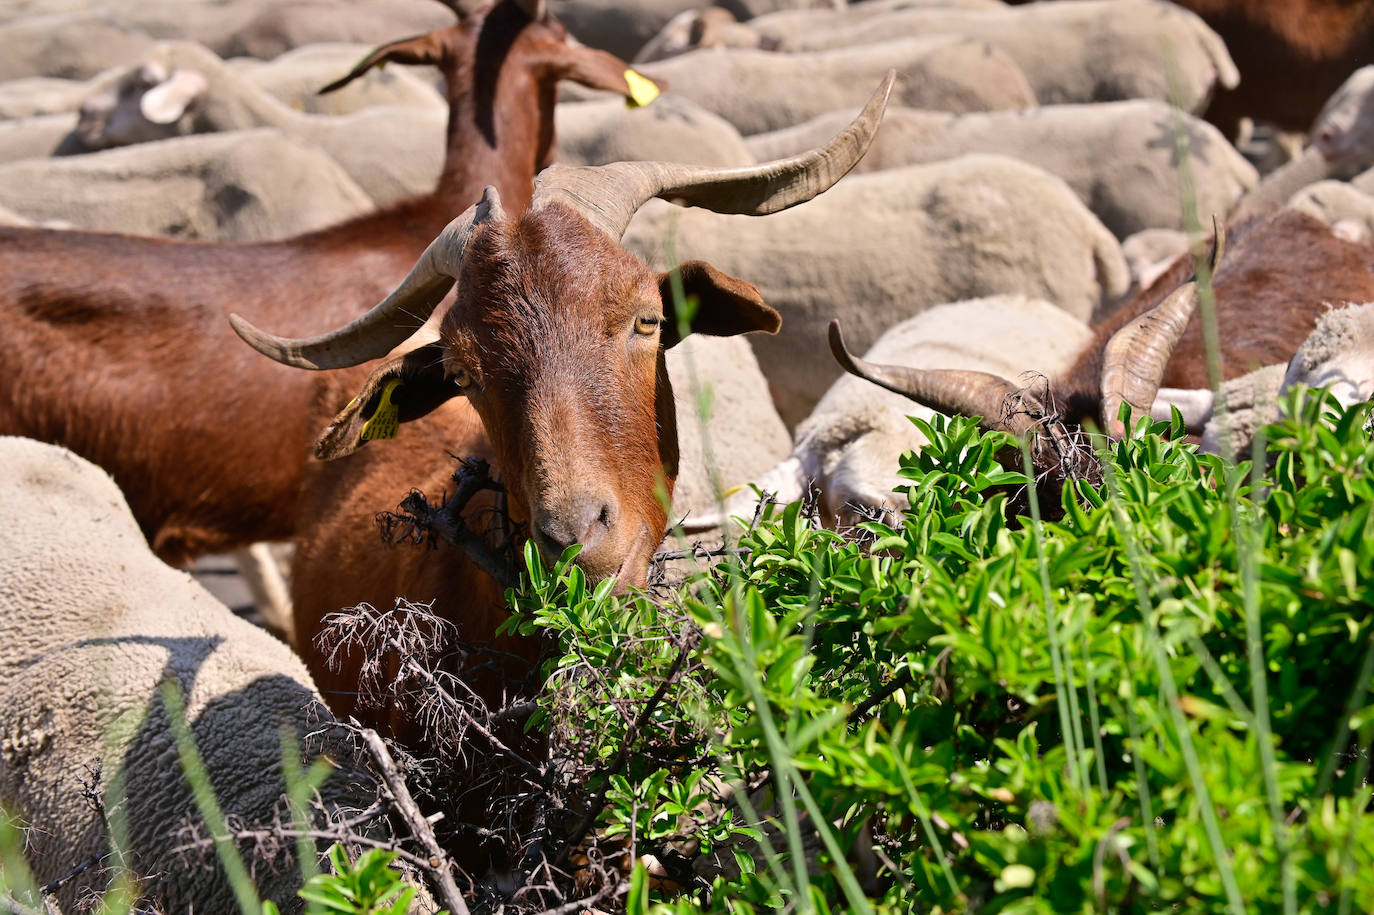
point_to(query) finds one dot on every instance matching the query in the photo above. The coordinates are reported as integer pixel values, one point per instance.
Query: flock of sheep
(1019, 209)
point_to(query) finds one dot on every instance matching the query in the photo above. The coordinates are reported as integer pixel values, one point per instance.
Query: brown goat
(117, 346)
(1291, 54)
(1282, 272)
(550, 363)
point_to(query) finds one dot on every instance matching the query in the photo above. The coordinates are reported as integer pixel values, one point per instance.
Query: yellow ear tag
(385, 421)
(642, 90)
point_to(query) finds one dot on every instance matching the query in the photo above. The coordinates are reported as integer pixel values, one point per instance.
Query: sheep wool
(92, 625)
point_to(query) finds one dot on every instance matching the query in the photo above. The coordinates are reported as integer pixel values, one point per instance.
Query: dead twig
(415, 518)
(439, 864)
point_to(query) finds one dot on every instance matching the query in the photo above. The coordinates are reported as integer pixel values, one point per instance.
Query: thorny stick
(448, 524)
(432, 682)
(439, 863)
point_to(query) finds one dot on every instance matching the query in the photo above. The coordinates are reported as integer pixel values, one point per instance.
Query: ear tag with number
(385, 421)
(642, 90)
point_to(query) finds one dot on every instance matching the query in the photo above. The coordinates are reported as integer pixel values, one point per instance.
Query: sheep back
(92, 624)
(879, 248)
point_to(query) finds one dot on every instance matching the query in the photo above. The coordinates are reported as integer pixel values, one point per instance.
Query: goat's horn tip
(839, 350)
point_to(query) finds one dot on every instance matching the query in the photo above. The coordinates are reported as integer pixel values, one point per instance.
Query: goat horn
(610, 195)
(1134, 359)
(397, 317)
(950, 391)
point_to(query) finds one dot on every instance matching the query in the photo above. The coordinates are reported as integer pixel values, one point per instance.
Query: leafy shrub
(1157, 701)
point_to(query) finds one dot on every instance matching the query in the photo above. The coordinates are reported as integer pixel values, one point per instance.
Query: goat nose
(585, 521)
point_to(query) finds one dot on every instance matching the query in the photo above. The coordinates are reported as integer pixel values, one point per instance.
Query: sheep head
(557, 335)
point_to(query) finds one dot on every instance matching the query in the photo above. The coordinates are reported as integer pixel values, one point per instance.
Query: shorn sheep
(92, 625)
(886, 245)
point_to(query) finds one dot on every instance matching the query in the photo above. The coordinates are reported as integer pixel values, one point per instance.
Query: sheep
(744, 434)
(92, 625)
(1151, 252)
(759, 91)
(1283, 274)
(213, 186)
(1347, 209)
(1337, 355)
(672, 129)
(68, 45)
(848, 447)
(618, 27)
(182, 87)
(37, 137)
(38, 95)
(208, 465)
(1087, 51)
(883, 246)
(280, 27)
(295, 79)
(1341, 146)
(550, 364)
(1118, 157)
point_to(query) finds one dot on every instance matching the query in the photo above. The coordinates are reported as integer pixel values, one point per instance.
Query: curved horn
(1134, 359)
(961, 392)
(397, 317)
(610, 195)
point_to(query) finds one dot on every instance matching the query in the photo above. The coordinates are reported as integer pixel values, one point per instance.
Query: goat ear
(422, 49)
(602, 70)
(725, 306)
(399, 390)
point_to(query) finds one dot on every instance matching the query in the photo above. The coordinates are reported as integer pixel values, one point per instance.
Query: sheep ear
(725, 306)
(399, 390)
(602, 70)
(422, 49)
(168, 100)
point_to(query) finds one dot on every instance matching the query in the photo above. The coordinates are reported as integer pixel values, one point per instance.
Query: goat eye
(646, 324)
(461, 377)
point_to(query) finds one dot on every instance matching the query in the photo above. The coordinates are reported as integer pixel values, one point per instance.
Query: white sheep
(75, 45)
(1087, 51)
(214, 186)
(296, 77)
(181, 87)
(672, 129)
(881, 247)
(619, 26)
(39, 136)
(744, 435)
(848, 447)
(758, 90)
(92, 625)
(1117, 156)
(278, 27)
(35, 95)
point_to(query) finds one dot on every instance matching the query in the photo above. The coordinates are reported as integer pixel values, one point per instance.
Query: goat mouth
(633, 555)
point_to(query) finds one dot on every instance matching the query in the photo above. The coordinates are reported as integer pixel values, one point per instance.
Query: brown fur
(1291, 54)
(568, 398)
(118, 347)
(1280, 273)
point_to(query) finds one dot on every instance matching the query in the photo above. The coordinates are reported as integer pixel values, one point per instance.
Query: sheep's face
(557, 339)
(141, 105)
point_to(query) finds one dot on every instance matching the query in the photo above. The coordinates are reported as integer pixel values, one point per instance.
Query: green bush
(1157, 701)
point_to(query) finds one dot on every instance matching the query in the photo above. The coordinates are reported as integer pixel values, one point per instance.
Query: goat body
(117, 346)
(1282, 272)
